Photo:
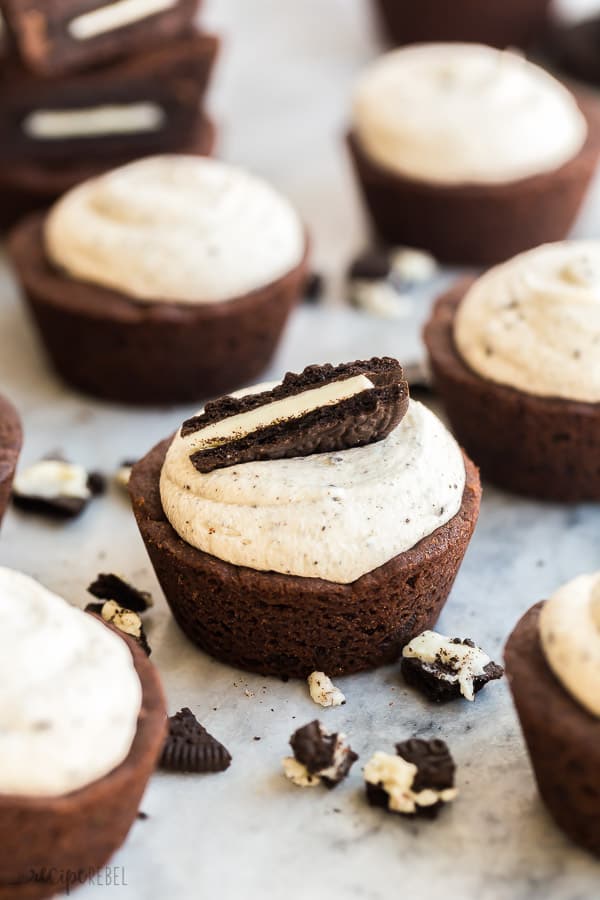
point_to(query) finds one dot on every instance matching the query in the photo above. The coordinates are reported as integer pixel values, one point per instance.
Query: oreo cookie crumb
(123, 474)
(370, 265)
(112, 587)
(125, 620)
(54, 488)
(190, 748)
(97, 483)
(142, 815)
(320, 757)
(417, 781)
(313, 289)
(445, 669)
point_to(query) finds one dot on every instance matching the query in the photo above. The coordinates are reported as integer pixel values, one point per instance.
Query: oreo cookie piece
(126, 620)
(320, 757)
(445, 668)
(324, 409)
(123, 474)
(418, 781)
(190, 748)
(112, 587)
(54, 487)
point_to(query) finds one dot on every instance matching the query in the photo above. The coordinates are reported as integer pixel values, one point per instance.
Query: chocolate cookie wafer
(145, 104)
(190, 748)
(324, 409)
(68, 35)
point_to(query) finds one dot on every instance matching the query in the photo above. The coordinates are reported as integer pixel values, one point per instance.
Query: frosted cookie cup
(552, 663)
(81, 732)
(469, 152)
(514, 356)
(323, 560)
(164, 281)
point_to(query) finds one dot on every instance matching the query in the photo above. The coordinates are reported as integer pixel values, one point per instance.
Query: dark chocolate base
(119, 349)
(11, 438)
(538, 446)
(287, 625)
(27, 187)
(76, 834)
(563, 739)
(501, 23)
(479, 224)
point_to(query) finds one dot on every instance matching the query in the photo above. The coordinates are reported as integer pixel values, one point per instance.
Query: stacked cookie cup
(84, 90)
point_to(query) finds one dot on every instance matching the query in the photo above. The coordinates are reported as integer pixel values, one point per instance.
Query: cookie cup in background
(542, 446)
(104, 290)
(500, 23)
(562, 736)
(289, 624)
(451, 181)
(11, 438)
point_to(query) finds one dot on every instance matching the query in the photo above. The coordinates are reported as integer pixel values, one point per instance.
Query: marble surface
(282, 92)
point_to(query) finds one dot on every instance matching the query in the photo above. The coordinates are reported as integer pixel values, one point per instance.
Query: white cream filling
(570, 636)
(58, 124)
(114, 16)
(69, 693)
(289, 408)
(396, 776)
(176, 228)
(323, 691)
(466, 663)
(51, 478)
(335, 516)
(465, 113)
(533, 323)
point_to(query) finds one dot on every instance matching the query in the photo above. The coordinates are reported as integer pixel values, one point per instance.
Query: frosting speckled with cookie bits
(569, 628)
(533, 322)
(71, 696)
(331, 515)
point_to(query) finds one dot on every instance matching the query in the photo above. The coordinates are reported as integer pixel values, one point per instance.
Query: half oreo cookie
(325, 409)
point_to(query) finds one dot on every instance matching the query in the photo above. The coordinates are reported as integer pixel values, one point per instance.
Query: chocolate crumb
(112, 587)
(190, 748)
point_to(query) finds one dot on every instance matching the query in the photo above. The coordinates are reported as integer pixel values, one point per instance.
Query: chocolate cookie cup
(542, 447)
(30, 186)
(10, 446)
(130, 349)
(563, 739)
(290, 625)
(501, 24)
(479, 224)
(52, 844)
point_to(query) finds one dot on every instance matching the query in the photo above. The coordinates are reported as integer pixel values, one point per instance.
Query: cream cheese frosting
(465, 113)
(334, 516)
(533, 323)
(69, 693)
(570, 636)
(175, 228)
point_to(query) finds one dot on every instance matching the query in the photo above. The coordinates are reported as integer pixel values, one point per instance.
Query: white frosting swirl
(335, 516)
(69, 693)
(570, 636)
(175, 228)
(465, 113)
(533, 323)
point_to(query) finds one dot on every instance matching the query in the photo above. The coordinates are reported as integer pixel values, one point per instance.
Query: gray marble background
(282, 96)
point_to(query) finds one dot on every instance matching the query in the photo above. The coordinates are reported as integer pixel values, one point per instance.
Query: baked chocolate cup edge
(288, 625)
(11, 438)
(547, 448)
(562, 738)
